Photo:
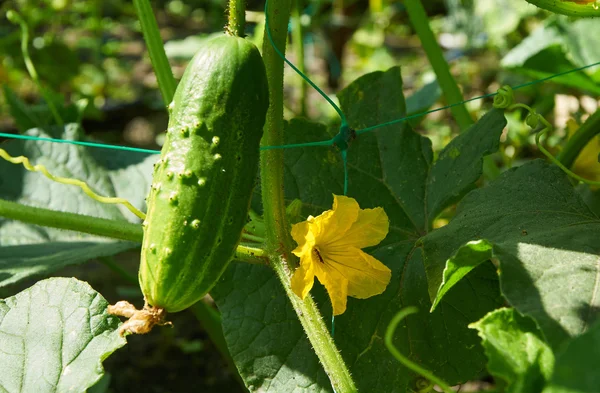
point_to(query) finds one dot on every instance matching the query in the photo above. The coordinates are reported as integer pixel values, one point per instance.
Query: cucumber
(203, 181)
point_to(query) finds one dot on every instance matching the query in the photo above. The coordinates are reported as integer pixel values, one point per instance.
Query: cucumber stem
(279, 242)
(237, 18)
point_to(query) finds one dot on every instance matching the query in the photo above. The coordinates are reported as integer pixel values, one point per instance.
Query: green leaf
(423, 99)
(590, 197)
(32, 250)
(518, 357)
(467, 258)
(545, 238)
(576, 368)
(459, 164)
(389, 168)
(559, 46)
(54, 337)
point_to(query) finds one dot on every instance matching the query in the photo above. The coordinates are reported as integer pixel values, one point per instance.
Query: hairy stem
(158, 57)
(579, 140)
(237, 18)
(113, 229)
(278, 231)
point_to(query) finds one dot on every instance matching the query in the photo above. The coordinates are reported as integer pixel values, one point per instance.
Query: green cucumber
(203, 181)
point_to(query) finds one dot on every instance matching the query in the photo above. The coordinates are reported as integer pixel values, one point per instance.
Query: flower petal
(330, 225)
(374, 280)
(370, 228)
(365, 275)
(303, 279)
(337, 288)
(299, 233)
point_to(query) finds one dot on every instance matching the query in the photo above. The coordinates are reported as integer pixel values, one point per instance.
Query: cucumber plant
(530, 221)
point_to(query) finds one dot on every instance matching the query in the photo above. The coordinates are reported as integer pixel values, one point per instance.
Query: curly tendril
(424, 385)
(15, 18)
(64, 180)
(505, 99)
(389, 336)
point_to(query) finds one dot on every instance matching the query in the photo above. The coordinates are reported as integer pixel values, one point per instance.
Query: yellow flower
(329, 247)
(586, 165)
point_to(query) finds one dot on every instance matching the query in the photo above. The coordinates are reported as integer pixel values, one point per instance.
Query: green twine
(403, 119)
(330, 142)
(306, 78)
(80, 143)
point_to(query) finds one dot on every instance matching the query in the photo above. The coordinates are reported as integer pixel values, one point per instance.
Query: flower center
(316, 252)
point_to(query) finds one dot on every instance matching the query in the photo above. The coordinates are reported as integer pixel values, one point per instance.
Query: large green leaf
(576, 368)
(392, 168)
(29, 249)
(54, 337)
(518, 356)
(545, 237)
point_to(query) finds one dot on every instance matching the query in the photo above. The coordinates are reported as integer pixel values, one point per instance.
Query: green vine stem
(389, 337)
(566, 7)
(420, 23)
(71, 221)
(15, 18)
(279, 242)
(158, 57)
(101, 227)
(237, 18)
(589, 129)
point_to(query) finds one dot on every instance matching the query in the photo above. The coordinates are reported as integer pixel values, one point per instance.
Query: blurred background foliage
(94, 50)
(91, 58)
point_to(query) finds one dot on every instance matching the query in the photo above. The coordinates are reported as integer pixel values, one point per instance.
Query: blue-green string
(80, 143)
(368, 129)
(328, 142)
(307, 79)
